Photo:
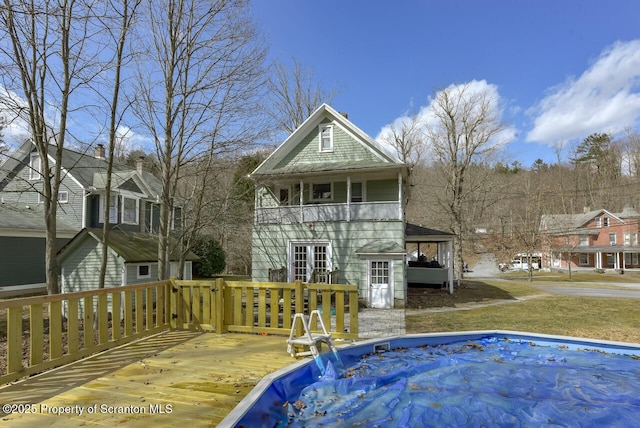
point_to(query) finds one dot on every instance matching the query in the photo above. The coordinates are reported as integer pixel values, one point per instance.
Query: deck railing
(49, 331)
(263, 307)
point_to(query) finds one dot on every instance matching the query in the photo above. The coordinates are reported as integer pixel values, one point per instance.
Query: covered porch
(617, 258)
(429, 256)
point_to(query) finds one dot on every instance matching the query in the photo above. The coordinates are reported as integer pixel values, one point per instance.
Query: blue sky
(562, 69)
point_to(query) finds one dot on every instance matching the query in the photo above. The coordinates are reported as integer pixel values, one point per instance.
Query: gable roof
(89, 171)
(279, 161)
(132, 247)
(563, 223)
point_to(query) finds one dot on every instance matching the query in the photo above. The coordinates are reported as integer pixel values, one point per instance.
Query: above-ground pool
(455, 379)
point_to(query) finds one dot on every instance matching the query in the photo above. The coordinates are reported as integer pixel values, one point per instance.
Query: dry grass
(591, 317)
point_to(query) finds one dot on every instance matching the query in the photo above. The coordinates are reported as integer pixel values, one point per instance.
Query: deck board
(201, 376)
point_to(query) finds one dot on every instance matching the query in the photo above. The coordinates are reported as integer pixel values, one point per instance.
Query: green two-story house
(329, 207)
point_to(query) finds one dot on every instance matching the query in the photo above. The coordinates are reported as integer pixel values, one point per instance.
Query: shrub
(212, 257)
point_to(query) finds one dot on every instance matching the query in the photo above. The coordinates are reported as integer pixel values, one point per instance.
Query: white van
(519, 265)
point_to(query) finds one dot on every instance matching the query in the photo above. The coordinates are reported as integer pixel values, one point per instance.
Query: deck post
(173, 297)
(299, 304)
(219, 302)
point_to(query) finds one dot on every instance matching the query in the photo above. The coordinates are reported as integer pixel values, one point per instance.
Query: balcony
(329, 213)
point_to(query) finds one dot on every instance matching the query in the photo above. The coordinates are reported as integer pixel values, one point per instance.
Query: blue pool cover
(490, 381)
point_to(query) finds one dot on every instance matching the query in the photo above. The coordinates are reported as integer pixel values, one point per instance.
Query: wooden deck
(178, 377)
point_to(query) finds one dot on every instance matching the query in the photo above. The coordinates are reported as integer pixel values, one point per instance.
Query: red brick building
(591, 240)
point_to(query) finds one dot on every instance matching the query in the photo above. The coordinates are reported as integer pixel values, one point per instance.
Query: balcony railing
(328, 212)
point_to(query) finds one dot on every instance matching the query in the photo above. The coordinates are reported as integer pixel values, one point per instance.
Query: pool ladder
(310, 339)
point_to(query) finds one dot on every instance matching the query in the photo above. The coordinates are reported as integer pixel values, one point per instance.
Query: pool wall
(285, 384)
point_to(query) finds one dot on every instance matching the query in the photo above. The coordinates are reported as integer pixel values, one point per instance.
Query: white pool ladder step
(309, 339)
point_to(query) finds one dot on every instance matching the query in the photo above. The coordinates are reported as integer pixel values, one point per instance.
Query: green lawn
(591, 317)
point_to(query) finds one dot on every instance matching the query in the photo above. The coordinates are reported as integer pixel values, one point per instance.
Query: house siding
(22, 190)
(81, 268)
(271, 245)
(345, 149)
(132, 273)
(22, 260)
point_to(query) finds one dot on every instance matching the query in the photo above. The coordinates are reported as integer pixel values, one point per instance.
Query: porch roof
(415, 233)
(384, 247)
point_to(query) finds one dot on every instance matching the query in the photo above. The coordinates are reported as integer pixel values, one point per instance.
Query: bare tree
(197, 87)
(48, 60)
(462, 130)
(296, 95)
(124, 14)
(407, 138)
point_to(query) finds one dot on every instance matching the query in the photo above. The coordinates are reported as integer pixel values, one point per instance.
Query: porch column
(348, 198)
(400, 213)
(301, 201)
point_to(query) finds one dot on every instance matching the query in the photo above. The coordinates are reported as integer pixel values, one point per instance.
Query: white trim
(137, 209)
(138, 266)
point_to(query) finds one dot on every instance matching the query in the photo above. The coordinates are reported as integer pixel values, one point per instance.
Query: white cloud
(426, 118)
(605, 98)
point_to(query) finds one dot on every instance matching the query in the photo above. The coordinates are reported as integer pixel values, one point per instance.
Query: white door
(380, 289)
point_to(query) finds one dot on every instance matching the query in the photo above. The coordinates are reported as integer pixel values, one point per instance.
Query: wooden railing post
(174, 297)
(299, 304)
(219, 302)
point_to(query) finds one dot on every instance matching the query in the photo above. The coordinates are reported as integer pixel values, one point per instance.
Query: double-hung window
(35, 167)
(326, 138)
(612, 239)
(129, 210)
(113, 209)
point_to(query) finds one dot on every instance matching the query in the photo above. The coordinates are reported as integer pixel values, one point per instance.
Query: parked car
(519, 265)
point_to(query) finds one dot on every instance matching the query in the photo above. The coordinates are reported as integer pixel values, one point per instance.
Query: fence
(49, 331)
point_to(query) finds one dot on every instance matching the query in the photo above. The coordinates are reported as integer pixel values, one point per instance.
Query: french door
(305, 257)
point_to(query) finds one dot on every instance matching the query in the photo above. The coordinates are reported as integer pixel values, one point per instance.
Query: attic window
(35, 167)
(326, 138)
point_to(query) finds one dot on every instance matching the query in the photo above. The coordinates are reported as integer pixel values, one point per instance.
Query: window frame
(321, 138)
(614, 240)
(141, 265)
(35, 171)
(598, 221)
(113, 215)
(362, 190)
(308, 258)
(606, 221)
(287, 190)
(312, 197)
(583, 259)
(124, 209)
